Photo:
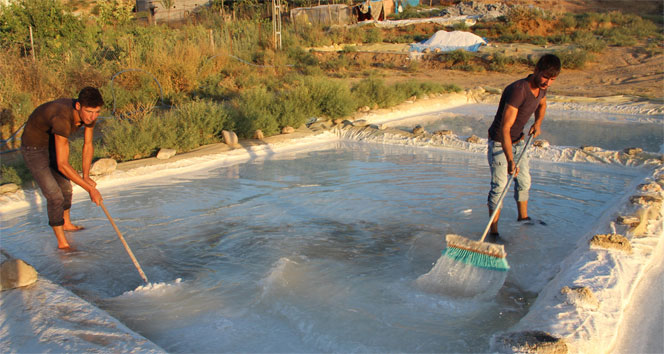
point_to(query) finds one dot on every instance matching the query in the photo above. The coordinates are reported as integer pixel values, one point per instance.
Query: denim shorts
(55, 187)
(499, 176)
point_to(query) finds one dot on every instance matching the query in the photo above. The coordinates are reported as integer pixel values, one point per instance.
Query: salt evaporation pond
(610, 131)
(315, 251)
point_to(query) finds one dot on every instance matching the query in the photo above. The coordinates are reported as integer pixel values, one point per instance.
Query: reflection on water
(562, 128)
(314, 251)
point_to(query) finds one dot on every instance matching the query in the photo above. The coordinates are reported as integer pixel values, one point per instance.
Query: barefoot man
(517, 104)
(45, 149)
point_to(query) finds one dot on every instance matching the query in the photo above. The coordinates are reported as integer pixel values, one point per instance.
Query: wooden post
(32, 46)
(211, 39)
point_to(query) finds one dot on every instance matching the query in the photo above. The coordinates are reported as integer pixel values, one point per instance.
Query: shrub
(373, 35)
(183, 128)
(300, 57)
(588, 41)
(500, 61)
(54, 30)
(573, 59)
(138, 137)
(410, 88)
(16, 173)
(115, 12)
(458, 56)
(255, 109)
(330, 98)
(196, 123)
(373, 91)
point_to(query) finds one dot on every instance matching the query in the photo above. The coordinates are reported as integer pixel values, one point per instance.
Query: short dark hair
(90, 97)
(549, 64)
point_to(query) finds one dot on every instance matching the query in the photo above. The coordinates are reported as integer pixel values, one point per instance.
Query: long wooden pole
(32, 46)
(126, 246)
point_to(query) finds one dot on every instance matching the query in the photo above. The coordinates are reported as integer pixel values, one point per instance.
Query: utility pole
(276, 23)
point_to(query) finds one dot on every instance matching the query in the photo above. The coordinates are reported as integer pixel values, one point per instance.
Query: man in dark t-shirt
(45, 149)
(517, 104)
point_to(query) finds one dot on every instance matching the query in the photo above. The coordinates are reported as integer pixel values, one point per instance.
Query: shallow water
(611, 131)
(314, 251)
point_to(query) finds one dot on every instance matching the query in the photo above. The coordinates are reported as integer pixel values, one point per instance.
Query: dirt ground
(616, 71)
(630, 71)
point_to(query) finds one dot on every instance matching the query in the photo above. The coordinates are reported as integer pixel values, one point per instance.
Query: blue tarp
(402, 4)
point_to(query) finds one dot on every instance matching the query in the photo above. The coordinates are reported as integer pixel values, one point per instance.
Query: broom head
(480, 254)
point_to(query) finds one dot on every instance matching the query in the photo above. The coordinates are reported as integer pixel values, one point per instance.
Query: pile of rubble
(478, 9)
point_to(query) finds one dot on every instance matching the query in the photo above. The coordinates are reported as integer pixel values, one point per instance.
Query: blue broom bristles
(476, 259)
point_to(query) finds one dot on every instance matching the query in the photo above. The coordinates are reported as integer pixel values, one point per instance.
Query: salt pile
(448, 41)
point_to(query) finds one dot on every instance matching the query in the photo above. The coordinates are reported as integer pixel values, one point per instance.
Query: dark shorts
(55, 187)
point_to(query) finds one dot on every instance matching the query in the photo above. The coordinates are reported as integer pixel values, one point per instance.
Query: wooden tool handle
(126, 246)
(504, 192)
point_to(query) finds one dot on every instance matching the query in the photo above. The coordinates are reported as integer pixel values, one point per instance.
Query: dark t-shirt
(51, 118)
(519, 95)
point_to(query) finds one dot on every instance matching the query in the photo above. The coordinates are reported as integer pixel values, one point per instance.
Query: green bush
(300, 57)
(115, 12)
(16, 173)
(293, 107)
(255, 108)
(54, 30)
(573, 59)
(197, 123)
(211, 88)
(458, 56)
(328, 97)
(410, 88)
(128, 139)
(500, 61)
(618, 37)
(373, 35)
(338, 64)
(183, 128)
(373, 91)
(588, 41)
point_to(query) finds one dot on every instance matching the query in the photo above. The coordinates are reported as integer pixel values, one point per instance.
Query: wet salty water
(609, 131)
(314, 251)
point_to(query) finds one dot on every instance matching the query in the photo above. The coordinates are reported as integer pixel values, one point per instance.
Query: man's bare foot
(66, 247)
(72, 227)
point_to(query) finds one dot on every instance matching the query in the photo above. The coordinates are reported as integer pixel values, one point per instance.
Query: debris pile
(480, 10)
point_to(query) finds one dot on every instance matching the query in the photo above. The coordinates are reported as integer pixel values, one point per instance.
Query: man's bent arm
(509, 117)
(62, 158)
(536, 128)
(88, 153)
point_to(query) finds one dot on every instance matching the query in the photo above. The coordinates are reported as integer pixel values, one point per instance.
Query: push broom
(476, 267)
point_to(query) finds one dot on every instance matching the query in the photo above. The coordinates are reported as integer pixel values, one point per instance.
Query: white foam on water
(154, 289)
(284, 275)
(457, 279)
